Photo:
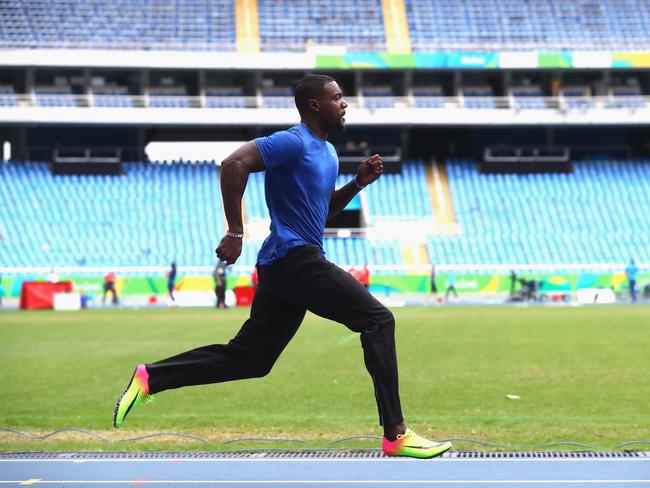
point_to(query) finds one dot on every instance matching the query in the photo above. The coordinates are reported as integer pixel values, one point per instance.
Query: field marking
(331, 482)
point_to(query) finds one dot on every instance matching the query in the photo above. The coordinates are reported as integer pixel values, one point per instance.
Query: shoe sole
(117, 405)
(421, 457)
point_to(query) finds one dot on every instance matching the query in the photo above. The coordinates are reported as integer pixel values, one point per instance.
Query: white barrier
(585, 296)
(67, 301)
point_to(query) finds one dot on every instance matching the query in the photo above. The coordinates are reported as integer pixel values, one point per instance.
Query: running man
(294, 276)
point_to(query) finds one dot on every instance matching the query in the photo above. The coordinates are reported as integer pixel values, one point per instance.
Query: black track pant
(302, 280)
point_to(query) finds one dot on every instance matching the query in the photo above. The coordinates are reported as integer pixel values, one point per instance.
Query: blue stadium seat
(528, 97)
(428, 97)
(8, 96)
(225, 97)
(168, 97)
(479, 97)
(378, 97)
(278, 97)
(54, 96)
(114, 96)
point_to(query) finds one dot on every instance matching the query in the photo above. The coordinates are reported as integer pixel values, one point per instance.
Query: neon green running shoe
(412, 445)
(136, 394)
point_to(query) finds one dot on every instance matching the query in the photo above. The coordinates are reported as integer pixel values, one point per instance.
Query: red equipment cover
(40, 294)
(244, 295)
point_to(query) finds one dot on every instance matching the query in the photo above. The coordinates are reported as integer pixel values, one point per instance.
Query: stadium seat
(8, 96)
(225, 97)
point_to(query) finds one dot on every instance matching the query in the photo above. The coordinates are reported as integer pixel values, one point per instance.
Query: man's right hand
(229, 249)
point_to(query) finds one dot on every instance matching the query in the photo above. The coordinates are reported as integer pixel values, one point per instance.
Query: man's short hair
(309, 87)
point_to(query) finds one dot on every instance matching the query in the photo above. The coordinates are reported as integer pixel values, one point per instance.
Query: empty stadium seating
(626, 97)
(428, 97)
(377, 97)
(156, 213)
(478, 97)
(400, 196)
(577, 98)
(54, 96)
(118, 24)
(278, 97)
(168, 97)
(8, 96)
(225, 97)
(521, 24)
(528, 97)
(292, 25)
(114, 96)
(598, 214)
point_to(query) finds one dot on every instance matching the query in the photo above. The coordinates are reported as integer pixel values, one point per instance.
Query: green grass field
(581, 373)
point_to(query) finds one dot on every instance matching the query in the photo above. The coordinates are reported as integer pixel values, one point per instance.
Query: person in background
(434, 287)
(109, 286)
(451, 285)
(513, 282)
(171, 282)
(631, 271)
(219, 275)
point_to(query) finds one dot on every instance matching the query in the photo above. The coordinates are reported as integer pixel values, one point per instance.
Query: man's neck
(315, 128)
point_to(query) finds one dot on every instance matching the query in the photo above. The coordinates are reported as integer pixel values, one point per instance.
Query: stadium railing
(556, 103)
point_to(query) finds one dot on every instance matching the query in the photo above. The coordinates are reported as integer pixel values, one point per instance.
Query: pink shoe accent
(390, 448)
(143, 377)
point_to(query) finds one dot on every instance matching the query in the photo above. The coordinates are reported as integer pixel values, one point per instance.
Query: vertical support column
(144, 87)
(201, 93)
(29, 85)
(141, 142)
(87, 89)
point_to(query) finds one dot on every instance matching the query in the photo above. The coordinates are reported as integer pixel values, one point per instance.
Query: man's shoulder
(296, 131)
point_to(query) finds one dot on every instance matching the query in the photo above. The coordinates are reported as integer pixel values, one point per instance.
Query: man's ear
(313, 105)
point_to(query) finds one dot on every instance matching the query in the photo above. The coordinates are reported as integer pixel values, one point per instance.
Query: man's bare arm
(369, 171)
(340, 198)
(234, 177)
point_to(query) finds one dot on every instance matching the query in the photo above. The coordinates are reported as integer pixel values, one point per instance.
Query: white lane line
(329, 482)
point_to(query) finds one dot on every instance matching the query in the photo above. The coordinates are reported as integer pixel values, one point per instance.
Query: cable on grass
(164, 434)
(281, 439)
(355, 437)
(631, 443)
(5, 429)
(474, 441)
(72, 429)
(566, 444)
(263, 439)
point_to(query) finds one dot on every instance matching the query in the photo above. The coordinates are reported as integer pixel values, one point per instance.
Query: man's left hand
(370, 170)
